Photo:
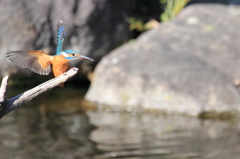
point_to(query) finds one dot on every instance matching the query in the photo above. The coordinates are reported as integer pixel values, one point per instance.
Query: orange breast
(59, 65)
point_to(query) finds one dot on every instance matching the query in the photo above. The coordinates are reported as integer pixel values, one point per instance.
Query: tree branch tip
(6, 77)
(10, 104)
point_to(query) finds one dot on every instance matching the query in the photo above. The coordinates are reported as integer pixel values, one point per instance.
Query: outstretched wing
(60, 37)
(37, 61)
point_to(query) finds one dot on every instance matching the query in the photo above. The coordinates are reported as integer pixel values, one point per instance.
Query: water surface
(59, 125)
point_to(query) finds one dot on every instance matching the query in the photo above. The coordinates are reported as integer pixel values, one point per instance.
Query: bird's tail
(60, 36)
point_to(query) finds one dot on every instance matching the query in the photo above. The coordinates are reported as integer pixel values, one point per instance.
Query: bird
(42, 63)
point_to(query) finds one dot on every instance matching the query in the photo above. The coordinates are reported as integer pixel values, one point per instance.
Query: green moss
(228, 115)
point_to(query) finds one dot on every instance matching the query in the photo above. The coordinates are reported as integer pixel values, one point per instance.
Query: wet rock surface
(186, 66)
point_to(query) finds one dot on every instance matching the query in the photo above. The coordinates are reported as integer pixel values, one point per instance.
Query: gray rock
(186, 66)
(93, 27)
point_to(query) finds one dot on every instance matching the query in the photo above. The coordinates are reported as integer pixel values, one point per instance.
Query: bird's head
(72, 55)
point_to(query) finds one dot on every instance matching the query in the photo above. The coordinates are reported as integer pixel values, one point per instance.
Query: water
(63, 127)
(157, 136)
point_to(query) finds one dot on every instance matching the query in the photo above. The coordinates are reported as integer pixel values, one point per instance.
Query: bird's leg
(74, 68)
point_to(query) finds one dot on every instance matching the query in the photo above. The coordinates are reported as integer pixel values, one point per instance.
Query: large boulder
(93, 27)
(186, 66)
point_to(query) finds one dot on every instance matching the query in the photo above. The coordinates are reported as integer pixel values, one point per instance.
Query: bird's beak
(84, 58)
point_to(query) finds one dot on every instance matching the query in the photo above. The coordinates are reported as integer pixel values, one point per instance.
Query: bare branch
(3, 89)
(7, 105)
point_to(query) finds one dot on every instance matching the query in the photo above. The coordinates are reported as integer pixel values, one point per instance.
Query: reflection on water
(55, 128)
(157, 136)
(59, 128)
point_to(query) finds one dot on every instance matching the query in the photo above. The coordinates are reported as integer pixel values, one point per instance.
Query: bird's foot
(74, 68)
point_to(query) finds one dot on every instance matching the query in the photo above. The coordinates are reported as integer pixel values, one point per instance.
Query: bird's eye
(73, 54)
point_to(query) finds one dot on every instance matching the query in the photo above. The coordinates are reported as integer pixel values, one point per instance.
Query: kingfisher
(42, 63)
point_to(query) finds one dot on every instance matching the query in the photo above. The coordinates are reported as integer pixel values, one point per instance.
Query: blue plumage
(71, 52)
(70, 58)
(61, 34)
(60, 37)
